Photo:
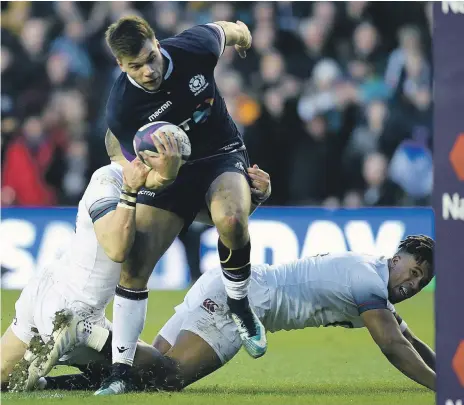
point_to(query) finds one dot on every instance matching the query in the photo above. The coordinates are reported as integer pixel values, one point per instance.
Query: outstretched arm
(427, 354)
(237, 34)
(385, 331)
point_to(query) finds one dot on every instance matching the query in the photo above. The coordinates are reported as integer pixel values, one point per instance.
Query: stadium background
(334, 101)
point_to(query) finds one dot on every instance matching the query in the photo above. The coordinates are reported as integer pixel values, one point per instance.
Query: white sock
(235, 289)
(128, 321)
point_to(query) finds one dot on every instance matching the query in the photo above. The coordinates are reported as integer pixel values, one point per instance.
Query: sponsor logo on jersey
(160, 111)
(148, 192)
(209, 305)
(230, 147)
(200, 115)
(197, 84)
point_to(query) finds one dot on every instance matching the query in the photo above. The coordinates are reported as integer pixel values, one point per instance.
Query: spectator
(410, 43)
(366, 45)
(364, 141)
(314, 37)
(71, 44)
(314, 166)
(316, 75)
(27, 162)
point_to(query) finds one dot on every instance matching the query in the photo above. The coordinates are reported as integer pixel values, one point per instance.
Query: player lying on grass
(83, 280)
(347, 289)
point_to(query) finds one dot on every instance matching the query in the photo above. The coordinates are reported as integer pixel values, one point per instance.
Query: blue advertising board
(448, 199)
(31, 238)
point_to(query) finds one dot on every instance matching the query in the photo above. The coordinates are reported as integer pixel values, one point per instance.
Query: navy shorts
(186, 196)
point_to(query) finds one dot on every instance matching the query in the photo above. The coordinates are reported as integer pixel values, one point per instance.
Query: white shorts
(205, 312)
(38, 303)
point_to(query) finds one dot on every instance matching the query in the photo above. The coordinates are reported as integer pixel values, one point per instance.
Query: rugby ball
(144, 143)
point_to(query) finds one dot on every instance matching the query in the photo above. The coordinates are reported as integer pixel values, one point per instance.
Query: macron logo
(148, 193)
(160, 110)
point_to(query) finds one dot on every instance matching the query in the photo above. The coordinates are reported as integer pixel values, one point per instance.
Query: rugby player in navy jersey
(173, 80)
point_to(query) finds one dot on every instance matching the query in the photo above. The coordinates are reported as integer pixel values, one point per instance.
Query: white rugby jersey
(84, 270)
(323, 290)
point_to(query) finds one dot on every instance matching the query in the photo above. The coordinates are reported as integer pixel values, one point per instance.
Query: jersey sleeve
(369, 291)
(203, 39)
(117, 122)
(101, 196)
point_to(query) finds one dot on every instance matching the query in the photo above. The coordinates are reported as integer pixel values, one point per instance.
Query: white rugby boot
(69, 331)
(20, 379)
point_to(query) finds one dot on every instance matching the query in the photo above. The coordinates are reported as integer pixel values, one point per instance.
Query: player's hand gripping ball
(143, 141)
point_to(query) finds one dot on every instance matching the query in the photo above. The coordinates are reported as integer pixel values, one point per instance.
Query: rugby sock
(71, 382)
(129, 313)
(236, 270)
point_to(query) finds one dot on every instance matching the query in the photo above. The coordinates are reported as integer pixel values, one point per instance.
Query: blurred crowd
(334, 98)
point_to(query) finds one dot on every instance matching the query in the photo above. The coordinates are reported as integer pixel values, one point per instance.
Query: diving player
(173, 80)
(347, 289)
(344, 289)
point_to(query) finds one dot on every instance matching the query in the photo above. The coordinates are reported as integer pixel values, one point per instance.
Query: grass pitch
(311, 367)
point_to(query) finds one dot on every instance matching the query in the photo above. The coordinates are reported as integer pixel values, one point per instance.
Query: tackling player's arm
(385, 331)
(427, 354)
(113, 216)
(260, 192)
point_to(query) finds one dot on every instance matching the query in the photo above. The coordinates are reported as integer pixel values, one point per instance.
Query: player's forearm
(427, 354)
(235, 34)
(118, 232)
(403, 356)
(119, 235)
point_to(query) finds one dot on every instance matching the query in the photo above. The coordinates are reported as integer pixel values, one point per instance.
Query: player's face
(147, 67)
(405, 277)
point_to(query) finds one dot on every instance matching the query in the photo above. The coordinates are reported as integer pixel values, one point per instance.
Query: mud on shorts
(35, 312)
(186, 196)
(205, 312)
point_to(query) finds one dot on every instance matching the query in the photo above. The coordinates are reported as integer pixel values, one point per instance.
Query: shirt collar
(166, 76)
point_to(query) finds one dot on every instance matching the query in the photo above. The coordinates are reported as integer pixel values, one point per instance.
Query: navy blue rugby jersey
(188, 96)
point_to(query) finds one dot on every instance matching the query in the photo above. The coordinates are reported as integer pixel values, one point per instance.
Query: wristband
(128, 193)
(125, 197)
(126, 204)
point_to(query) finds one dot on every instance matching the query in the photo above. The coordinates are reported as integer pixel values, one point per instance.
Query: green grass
(312, 366)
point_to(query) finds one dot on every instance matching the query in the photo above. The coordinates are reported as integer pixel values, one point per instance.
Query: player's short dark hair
(421, 247)
(126, 36)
